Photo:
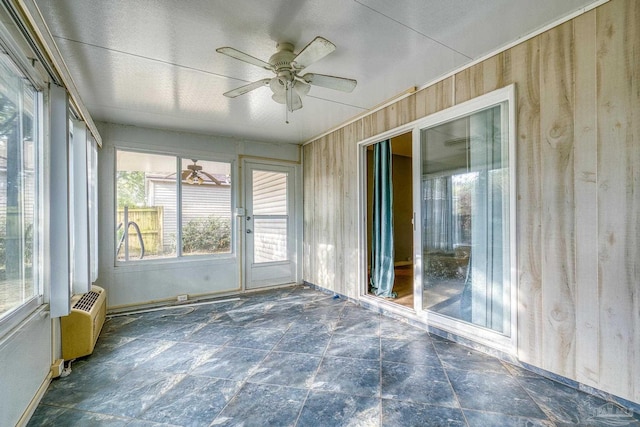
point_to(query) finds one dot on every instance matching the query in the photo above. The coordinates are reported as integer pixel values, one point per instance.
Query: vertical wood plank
(308, 197)
(327, 243)
(494, 73)
(465, 84)
(336, 244)
(633, 255)
(319, 215)
(525, 71)
(374, 123)
(434, 98)
(558, 245)
(421, 102)
(586, 220)
(350, 224)
(618, 56)
(399, 113)
(491, 74)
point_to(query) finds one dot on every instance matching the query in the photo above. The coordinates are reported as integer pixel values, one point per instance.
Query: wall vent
(80, 329)
(87, 301)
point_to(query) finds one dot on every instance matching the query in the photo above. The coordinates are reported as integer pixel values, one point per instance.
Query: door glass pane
(465, 219)
(270, 217)
(269, 193)
(146, 196)
(270, 239)
(206, 207)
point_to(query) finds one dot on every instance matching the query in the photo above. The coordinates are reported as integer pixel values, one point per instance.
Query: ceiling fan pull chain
(289, 101)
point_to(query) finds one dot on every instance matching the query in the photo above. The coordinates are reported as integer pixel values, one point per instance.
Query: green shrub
(207, 235)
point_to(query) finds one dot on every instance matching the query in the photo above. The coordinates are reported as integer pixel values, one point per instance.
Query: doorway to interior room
(390, 220)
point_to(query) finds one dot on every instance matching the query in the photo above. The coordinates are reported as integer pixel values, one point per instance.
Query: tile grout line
(446, 373)
(245, 380)
(324, 353)
(517, 380)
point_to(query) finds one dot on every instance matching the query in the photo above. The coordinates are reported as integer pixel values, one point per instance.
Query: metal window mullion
(125, 224)
(178, 207)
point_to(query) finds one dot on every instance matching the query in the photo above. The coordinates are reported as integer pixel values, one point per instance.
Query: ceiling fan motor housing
(281, 60)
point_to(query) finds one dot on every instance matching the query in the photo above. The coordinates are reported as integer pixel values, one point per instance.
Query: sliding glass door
(465, 219)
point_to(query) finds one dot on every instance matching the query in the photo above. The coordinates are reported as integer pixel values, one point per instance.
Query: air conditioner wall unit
(80, 329)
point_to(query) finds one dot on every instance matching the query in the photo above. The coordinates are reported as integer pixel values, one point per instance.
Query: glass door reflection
(465, 219)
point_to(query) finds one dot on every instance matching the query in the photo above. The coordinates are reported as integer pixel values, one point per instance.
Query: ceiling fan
(193, 174)
(288, 86)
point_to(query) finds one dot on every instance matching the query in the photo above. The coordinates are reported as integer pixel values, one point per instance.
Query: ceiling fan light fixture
(301, 88)
(192, 175)
(278, 87)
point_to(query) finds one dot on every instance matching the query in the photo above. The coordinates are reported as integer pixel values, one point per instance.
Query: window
(466, 218)
(19, 148)
(161, 216)
(206, 207)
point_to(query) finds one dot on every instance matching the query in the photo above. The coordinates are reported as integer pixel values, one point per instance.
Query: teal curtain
(382, 264)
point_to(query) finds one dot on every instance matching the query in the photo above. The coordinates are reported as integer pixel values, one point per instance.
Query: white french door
(269, 224)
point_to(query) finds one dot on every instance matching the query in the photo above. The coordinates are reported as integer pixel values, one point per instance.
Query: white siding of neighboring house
(198, 201)
(269, 198)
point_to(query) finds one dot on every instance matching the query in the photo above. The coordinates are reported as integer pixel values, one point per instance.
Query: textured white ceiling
(153, 62)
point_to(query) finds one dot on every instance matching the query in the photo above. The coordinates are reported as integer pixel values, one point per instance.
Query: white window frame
(179, 257)
(17, 315)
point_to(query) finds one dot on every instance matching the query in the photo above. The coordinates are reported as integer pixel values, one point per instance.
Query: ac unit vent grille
(86, 301)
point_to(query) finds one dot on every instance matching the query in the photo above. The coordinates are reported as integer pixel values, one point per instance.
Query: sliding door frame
(504, 342)
(485, 336)
(362, 215)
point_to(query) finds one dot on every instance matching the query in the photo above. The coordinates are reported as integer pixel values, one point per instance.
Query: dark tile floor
(297, 356)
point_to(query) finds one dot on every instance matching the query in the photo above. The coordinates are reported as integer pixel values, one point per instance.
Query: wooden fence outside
(149, 221)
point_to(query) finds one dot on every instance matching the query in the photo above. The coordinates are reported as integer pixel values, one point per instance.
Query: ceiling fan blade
(330, 82)
(234, 53)
(314, 51)
(211, 177)
(185, 174)
(246, 88)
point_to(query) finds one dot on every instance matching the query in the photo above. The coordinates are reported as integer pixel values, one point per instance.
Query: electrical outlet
(183, 298)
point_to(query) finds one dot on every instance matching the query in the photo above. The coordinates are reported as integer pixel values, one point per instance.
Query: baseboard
(28, 413)
(402, 263)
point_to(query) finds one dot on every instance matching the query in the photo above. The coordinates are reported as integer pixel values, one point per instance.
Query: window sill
(171, 263)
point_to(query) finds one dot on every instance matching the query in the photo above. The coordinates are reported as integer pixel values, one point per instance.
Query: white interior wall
(138, 283)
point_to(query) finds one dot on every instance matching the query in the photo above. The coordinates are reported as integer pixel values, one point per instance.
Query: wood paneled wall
(578, 192)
